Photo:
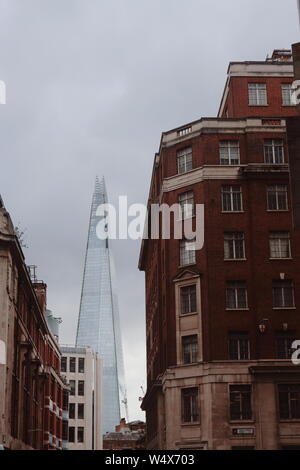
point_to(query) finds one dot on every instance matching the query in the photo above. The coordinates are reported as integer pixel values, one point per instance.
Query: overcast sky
(91, 84)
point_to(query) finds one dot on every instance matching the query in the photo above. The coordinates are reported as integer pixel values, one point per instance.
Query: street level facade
(221, 321)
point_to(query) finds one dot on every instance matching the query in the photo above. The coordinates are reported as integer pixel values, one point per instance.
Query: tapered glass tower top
(99, 324)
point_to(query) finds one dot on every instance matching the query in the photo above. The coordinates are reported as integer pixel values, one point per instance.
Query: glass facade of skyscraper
(99, 323)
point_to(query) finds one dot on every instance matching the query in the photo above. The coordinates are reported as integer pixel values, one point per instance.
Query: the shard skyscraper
(99, 324)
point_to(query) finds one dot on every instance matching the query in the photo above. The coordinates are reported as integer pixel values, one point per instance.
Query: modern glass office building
(99, 323)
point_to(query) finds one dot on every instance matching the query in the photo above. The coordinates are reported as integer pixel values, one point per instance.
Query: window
(80, 411)
(72, 411)
(284, 343)
(277, 198)
(72, 387)
(80, 435)
(234, 245)
(287, 92)
(187, 205)
(257, 94)
(230, 152)
(232, 199)
(289, 401)
(65, 430)
(239, 346)
(184, 160)
(280, 245)
(188, 299)
(274, 151)
(236, 295)
(81, 388)
(283, 294)
(71, 434)
(63, 365)
(240, 403)
(190, 405)
(81, 364)
(73, 364)
(187, 252)
(190, 349)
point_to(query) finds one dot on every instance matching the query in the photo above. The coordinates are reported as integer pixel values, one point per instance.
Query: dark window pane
(80, 435)
(284, 344)
(72, 434)
(289, 401)
(236, 295)
(72, 411)
(63, 366)
(240, 403)
(81, 364)
(188, 300)
(81, 388)
(72, 387)
(190, 349)
(72, 364)
(80, 411)
(190, 406)
(283, 294)
(239, 346)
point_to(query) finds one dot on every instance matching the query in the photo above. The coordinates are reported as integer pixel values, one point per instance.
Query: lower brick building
(32, 392)
(222, 318)
(127, 436)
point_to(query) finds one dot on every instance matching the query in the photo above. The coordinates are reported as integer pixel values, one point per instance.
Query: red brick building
(31, 389)
(221, 320)
(293, 126)
(127, 436)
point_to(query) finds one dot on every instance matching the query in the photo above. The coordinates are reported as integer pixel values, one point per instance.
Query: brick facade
(211, 377)
(31, 389)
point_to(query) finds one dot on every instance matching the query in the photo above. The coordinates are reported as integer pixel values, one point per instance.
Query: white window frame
(187, 252)
(230, 152)
(234, 238)
(185, 160)
(274, 144)
(277, 189)
(187, 205)
(257, 93)
(232, 193)
(287, 94)
(277, 244)
(236, 293)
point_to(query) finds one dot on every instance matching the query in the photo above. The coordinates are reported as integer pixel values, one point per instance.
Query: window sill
(284, 308)
(281, 259)
(184, 315)
(236, 260)
(233, 212)
(238, 309)
(250, 422)
(295, 421)
(196, 423)
(258, 105)
(278, 210)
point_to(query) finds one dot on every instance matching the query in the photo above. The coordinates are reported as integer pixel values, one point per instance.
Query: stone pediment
(188, 273)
